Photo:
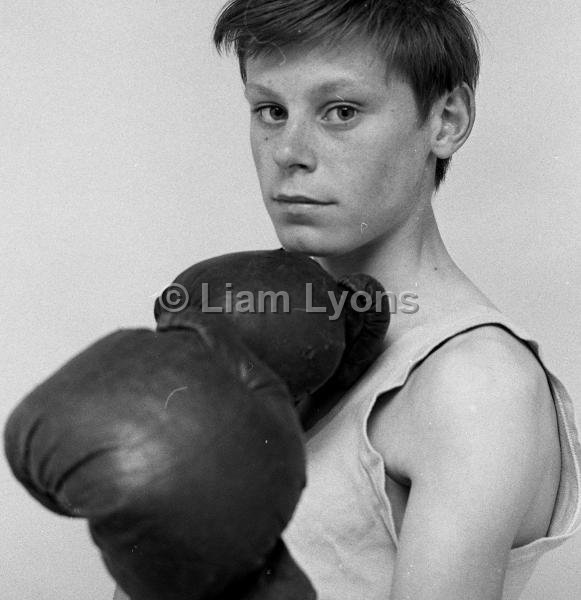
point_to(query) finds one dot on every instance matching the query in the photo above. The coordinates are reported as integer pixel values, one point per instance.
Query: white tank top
(343, 534)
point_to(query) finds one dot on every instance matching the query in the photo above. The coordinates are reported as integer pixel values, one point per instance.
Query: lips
(299, 199)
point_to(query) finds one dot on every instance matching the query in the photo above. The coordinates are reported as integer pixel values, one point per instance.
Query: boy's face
(341, 157)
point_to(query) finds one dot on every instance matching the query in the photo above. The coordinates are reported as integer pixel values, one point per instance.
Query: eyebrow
(328, 87)
(256, 87)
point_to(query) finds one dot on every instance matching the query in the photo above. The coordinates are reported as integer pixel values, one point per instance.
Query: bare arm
(474, 466)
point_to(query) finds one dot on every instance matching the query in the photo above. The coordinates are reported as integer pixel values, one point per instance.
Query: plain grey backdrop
(124, 159)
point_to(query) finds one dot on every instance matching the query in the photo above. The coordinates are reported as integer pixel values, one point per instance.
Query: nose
(294, 148)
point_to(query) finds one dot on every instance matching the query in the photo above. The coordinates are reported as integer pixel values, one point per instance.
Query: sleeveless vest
(343, 534)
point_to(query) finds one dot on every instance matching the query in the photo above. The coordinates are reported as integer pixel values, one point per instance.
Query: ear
(452, 121)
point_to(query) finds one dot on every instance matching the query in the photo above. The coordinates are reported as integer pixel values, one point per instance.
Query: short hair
(432, 44)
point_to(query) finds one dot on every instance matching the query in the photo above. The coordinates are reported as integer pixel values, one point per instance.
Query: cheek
(265, 170)
(367, 156)
(392, 164)
(259, 146)
(366, 171)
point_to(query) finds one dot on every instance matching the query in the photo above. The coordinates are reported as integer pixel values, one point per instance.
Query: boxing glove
(365, 331)
(320, 335)
(184, 453)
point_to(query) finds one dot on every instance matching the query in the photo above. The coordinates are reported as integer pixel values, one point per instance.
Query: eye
(343, 113)
(271, 113)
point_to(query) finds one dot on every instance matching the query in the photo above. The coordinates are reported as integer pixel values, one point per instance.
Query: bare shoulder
(478, 407)
(470, 444)
(484, 369)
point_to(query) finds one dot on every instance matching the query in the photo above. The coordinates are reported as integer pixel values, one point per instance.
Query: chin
(311, 246)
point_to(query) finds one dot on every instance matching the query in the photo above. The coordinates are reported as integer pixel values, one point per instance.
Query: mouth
(300, 200)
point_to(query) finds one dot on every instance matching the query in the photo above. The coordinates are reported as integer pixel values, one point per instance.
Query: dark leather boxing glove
(269, 300)
(279, 579)
(319, 350)
(365, 331)
(185, 454)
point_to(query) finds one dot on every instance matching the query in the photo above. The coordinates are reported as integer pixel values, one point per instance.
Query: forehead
(347, 65)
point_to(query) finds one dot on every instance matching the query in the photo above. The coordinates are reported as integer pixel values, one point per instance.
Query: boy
(453, 465)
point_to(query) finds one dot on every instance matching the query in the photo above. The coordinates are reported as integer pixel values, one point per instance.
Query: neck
(403, 259)
(412, 260)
